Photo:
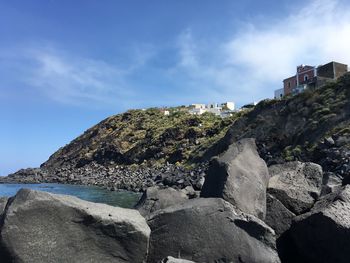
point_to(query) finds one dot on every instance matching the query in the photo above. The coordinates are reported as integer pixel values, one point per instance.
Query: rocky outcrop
(278, 217)
(210, 230)
(323, 234)
(154, 199)
(240, 177)
(43, 227)
(297, 185)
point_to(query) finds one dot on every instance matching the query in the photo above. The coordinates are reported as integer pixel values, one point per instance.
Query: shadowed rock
(210, 230)
(323, 234)
(277, 215)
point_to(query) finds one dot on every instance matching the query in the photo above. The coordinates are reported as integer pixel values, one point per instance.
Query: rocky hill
(142, 137)
(140, 148)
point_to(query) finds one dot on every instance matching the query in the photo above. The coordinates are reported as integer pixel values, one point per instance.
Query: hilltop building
(311, 77)
(223, 109)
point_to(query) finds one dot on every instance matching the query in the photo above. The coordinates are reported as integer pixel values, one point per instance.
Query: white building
(216, 111)
(198, 106)
(223, 109)
(279, 93)
(228, 105)
(197, 111)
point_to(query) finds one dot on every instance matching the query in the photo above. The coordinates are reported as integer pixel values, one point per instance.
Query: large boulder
(240, 177)
(323, 234)
(154, 199)
(210, 230)
(297, 185)
(277, 215)
(43, 227)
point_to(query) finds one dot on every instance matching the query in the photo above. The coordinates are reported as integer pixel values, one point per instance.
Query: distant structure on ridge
(311, 77)
(224, 109)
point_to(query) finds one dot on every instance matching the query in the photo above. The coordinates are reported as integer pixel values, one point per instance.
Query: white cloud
(258, 57)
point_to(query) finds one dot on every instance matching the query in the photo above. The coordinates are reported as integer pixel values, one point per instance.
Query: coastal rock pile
(115, 177)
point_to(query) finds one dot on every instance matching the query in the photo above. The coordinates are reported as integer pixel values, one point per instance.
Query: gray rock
(3, 202)
(297, 185)
(43, 227)
(323, 234)
(175, 260)
(277, 215)
(210, 230)
(155, 198)
(240, 177)
(331, 183)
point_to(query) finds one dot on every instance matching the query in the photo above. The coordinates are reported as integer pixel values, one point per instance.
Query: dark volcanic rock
(154, 199)
(297, 185)
(240, 177)
(43, 227)
(277, 215)
(210, 230)
(323, 234)
(3, 202)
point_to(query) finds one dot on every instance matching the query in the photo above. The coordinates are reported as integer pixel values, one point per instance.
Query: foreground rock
(277, 215)
(210, 230)
(297, 185)
(323, 234)
(154, 199)
(240, 177)
(42, 227)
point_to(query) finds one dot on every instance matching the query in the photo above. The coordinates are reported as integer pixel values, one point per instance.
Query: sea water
(89, 193)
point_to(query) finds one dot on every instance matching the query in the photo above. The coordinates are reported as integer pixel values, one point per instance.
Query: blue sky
(66, 65)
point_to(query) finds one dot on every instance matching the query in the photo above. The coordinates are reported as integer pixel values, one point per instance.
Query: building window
(306, 77)
(288, 84)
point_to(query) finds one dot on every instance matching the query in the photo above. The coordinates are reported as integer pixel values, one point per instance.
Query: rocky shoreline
(118, 177)
(245, 211)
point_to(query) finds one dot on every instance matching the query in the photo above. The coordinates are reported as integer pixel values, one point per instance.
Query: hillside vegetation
(144, 137)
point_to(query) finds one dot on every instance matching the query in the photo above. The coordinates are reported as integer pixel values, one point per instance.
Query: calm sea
(90, 193)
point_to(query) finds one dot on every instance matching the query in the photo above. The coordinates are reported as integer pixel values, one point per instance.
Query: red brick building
(311, 76)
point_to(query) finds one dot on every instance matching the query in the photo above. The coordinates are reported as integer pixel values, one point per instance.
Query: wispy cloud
(246, 66)
(75, 80)
(256, 58)
(61, 76)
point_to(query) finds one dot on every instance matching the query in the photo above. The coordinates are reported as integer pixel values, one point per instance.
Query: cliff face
(313, 126)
